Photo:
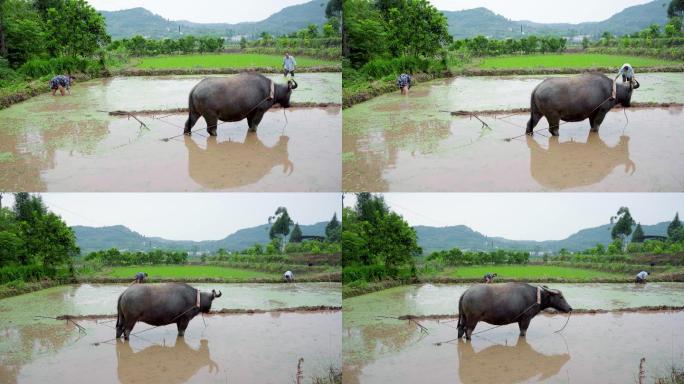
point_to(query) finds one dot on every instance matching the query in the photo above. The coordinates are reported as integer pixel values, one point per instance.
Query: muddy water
(90, 151)
(168, 92)
(412, 146)
(603, 348)
(100, 299)
(262, 348)
(442, 299)
(478, 93)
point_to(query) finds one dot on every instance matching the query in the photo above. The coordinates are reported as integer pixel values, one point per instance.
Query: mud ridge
(557, 71)
(457, 280)
(635, 105)
(216, 71)
(326, 278)
(185, 110)
(646, 309)
(224, 311)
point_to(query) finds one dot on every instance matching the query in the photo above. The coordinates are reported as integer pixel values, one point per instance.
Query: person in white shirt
(289, 64)
(288, 276)
(641, 277)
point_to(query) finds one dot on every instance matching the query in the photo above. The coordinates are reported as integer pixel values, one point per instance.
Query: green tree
(623, 225)
(674, 226)
(377, 235)
(296, 235)
(23, 33)
(243, 42)
(416, 28)
(354, 239)
(585, 43)
(675, 9)
(333, 229)
(74, 28)
(363, 32)
(638, 235)
(312, 31)
(281, 224)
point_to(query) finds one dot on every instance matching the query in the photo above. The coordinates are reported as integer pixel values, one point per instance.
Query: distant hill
(439, 238)
(140, 21)
(481, 21)
(96, 238)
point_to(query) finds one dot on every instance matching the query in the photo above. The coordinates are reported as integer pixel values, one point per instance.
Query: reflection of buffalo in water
(162, 364)
(231, 164)
(575, 164)
(507, 364)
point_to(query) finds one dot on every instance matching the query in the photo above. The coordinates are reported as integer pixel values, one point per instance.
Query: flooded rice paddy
(604, 347)
(262, 347)
(71, 143)
(397, 143)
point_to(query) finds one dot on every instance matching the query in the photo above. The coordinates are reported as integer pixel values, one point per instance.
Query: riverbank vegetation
(37, 248)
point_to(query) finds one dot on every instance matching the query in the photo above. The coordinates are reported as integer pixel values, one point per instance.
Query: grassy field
(570, 60)
(229, 60)
(532, 272)
(189, 271)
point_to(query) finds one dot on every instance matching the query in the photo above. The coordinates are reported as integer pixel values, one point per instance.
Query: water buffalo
(508, 303)
(577, 98)
(247, 95)
(161, 304)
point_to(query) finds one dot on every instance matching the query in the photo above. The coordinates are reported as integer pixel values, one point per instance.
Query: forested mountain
(481, 21)
(121, 237)
(140, 21)
(439, 238)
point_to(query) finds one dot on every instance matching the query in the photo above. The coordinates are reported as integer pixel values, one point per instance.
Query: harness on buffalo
(198, 298)
(272, 94)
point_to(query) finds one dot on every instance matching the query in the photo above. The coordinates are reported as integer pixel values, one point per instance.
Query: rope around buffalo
(166, 139)
(148, 329)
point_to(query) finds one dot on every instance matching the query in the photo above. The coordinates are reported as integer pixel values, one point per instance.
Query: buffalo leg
(596, 121)
(128, 327)
(534, 119)
(119, 330)
(192, 119)
(554, 123)
(254, 119)
(523, 325)
(461, 325)
(212, 121)
(470, 327)
(182, 324)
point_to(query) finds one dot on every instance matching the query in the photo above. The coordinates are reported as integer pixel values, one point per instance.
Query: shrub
(37, 68)
(25, 273)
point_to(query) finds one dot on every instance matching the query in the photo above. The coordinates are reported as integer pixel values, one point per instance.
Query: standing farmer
(289, 64)
(61, 82)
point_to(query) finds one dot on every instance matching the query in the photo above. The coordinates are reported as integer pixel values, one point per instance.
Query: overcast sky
(202, 11)
(544, 11)
(529, 216)
(187, 216)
